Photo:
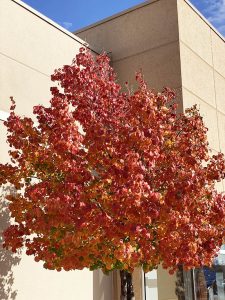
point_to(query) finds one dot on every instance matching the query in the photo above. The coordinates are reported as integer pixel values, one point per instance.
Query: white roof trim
(54, 24)
(204, 19)
(148, 2)
(116, 15)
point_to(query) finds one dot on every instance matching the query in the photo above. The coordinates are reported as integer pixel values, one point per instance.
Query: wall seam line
(214, 107)
(145, 51)
(202, 59)
(215, 93)
(179, 49)
(21, 63)
(116, 16)
(214, 82)
(204, 19)
(45, 19)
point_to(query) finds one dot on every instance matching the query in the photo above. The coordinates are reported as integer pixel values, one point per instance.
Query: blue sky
(75, 14)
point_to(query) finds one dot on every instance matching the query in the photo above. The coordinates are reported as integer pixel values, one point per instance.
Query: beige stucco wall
(202, 54)
(166, 285)
(147, 38)
(142, 38)
(172, 45)
(31, 48)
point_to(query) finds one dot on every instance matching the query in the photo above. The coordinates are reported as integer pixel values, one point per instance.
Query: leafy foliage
(112, 180)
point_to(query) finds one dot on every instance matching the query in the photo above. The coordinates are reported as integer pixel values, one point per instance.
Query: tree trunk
(127, 290)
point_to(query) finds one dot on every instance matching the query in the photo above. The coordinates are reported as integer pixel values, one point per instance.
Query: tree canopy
(111, 179)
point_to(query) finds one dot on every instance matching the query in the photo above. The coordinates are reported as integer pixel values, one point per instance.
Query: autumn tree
(112, 180)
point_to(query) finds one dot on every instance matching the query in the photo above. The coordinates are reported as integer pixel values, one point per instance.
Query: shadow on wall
(7, 258)
(102, 286)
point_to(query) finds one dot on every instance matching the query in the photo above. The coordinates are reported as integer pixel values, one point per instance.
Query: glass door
(150, 285)
(206, 283)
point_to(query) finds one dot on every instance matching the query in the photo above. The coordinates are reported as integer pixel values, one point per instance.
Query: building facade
(173, 45)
